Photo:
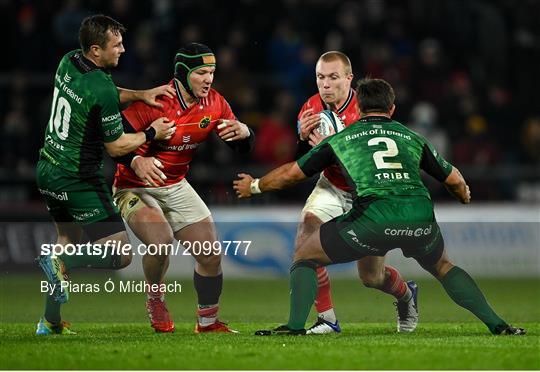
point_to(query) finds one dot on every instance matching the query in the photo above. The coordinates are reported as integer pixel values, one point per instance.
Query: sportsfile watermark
(180, 248)
(254, 246)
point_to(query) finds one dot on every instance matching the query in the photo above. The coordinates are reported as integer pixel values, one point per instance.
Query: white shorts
(180, 203)
(326, 201)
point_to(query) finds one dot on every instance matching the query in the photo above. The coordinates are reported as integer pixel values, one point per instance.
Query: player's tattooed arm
(148, 96)
(456, 185)
(280, 178)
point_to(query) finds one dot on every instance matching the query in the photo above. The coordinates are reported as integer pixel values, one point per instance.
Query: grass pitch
(113, 332)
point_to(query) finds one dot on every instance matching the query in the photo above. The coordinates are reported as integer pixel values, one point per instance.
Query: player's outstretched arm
(277, 179)
(160, 129)
(455, 184)
(148, 96)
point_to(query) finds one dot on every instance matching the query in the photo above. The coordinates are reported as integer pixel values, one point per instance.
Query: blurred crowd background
(465, 74)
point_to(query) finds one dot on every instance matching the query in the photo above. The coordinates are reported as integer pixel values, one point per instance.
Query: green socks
(463, 290)
(110, 261)
(52, 310)
(303, 294)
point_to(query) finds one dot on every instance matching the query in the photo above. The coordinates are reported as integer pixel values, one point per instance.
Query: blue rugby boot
(45, 328)
(55, 271)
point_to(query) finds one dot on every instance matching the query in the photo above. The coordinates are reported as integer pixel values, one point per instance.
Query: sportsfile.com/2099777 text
(183, 248)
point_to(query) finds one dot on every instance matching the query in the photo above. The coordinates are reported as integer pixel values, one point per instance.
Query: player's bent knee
(300, 242)
(125, 260)
(440, 268)
(306, 252)
(165, 242)
(305, 263)
(309, 224)
(301, 253)
(160, 257)
(208, 262)
(372, 280)
(443, 267)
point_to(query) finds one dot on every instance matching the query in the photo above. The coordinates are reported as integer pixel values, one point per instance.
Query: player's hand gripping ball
(330, 123)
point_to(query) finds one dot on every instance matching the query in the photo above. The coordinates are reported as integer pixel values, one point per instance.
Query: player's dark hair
(374, 95)
(94, 29)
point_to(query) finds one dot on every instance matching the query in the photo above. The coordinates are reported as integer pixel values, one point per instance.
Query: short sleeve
(317, 159)
(108, 102)
(433, 163)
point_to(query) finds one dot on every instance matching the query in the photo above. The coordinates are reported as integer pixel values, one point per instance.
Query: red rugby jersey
(349, 113)
(193, 125)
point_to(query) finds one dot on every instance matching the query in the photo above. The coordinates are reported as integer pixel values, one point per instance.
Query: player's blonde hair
(334, 55)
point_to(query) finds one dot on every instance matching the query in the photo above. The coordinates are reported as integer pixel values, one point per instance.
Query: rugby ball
(330, 123)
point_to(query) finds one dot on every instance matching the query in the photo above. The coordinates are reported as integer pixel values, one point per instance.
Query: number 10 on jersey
(60, 116)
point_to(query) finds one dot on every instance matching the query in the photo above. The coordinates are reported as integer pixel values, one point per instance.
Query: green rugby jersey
(85, 113)
(379, 157)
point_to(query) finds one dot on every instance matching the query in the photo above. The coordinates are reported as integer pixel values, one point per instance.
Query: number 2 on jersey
(391, 151)
(60, 116)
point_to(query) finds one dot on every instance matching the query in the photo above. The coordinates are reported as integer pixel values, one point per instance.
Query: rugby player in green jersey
(331, 198)
(392, 208)
(85, 119)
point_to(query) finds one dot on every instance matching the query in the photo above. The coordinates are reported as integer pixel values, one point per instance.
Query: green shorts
(375, 226)
(70, 198)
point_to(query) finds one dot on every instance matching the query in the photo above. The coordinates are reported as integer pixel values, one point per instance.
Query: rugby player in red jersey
(331, 197)
(155, 198)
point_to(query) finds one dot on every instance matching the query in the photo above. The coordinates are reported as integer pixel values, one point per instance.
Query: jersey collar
(345, 104)
(183, 105)
(84, 65)
(371, 119)
(179, 95)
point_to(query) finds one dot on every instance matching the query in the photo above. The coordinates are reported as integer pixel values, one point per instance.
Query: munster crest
(204, 122)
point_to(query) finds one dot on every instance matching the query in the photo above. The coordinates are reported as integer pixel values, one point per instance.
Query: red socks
(323, 301)
(394, 284)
